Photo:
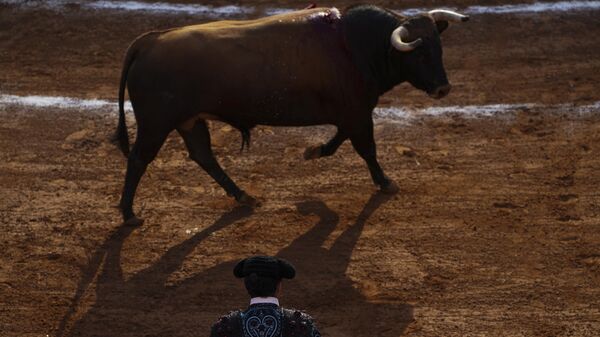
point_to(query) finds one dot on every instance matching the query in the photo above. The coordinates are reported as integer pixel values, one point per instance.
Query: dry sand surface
(495, 232)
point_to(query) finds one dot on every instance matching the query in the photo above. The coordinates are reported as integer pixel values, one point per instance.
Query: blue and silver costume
(265, 320)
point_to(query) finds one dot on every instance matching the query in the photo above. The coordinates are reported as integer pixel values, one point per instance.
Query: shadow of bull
(145, 305)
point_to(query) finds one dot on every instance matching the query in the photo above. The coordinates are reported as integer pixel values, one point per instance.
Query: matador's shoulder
(228, 325)
(299, 323)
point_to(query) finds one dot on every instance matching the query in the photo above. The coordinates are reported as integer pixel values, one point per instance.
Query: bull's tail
(121, 135)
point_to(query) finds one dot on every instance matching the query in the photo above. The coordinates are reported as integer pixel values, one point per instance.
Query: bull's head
(418, 41)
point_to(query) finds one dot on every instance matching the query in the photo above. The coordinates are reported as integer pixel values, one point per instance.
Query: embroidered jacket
(265, 320)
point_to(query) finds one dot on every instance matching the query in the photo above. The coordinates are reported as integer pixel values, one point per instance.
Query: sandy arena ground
(496, 230)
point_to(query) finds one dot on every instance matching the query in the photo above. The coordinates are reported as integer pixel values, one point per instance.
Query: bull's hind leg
(324, 150)
(364, 143)
(197, 141)
(144, 151)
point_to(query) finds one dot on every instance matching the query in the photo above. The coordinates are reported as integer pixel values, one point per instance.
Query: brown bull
(309, 67)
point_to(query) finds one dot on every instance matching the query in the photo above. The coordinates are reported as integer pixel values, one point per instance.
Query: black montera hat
(265, 266)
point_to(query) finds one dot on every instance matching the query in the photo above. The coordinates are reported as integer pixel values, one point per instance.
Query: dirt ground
(495, 232)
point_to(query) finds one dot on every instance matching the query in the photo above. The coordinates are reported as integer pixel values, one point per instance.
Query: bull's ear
(441, 25)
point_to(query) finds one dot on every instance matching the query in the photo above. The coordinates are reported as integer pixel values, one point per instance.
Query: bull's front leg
(364, 143)
(324, 150)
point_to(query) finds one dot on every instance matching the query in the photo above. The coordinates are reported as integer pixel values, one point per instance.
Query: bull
(308, 67)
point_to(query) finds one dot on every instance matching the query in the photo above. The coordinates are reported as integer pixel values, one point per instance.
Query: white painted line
(392, 113)
(37, 101)
(536, 7)
(139, 6)
(233, 10)
(481, 110)
(161, 7)
(487, 110)
(529, 8)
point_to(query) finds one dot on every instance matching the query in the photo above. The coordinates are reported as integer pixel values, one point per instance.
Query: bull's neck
(367, 37)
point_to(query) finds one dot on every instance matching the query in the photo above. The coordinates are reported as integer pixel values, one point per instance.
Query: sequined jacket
(265, 320)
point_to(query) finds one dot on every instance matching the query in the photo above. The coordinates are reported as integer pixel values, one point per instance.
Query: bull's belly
(249, 119)
(287, 116)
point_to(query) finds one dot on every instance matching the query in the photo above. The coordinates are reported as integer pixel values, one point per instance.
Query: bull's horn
(401, 33)
(445, 15)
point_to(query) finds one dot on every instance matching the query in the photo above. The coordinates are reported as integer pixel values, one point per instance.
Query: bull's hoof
(390, 188)
(312, 152)
(133, 221)
(247, 200)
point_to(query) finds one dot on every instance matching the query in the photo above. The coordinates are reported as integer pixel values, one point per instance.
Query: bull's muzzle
(440, 91)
